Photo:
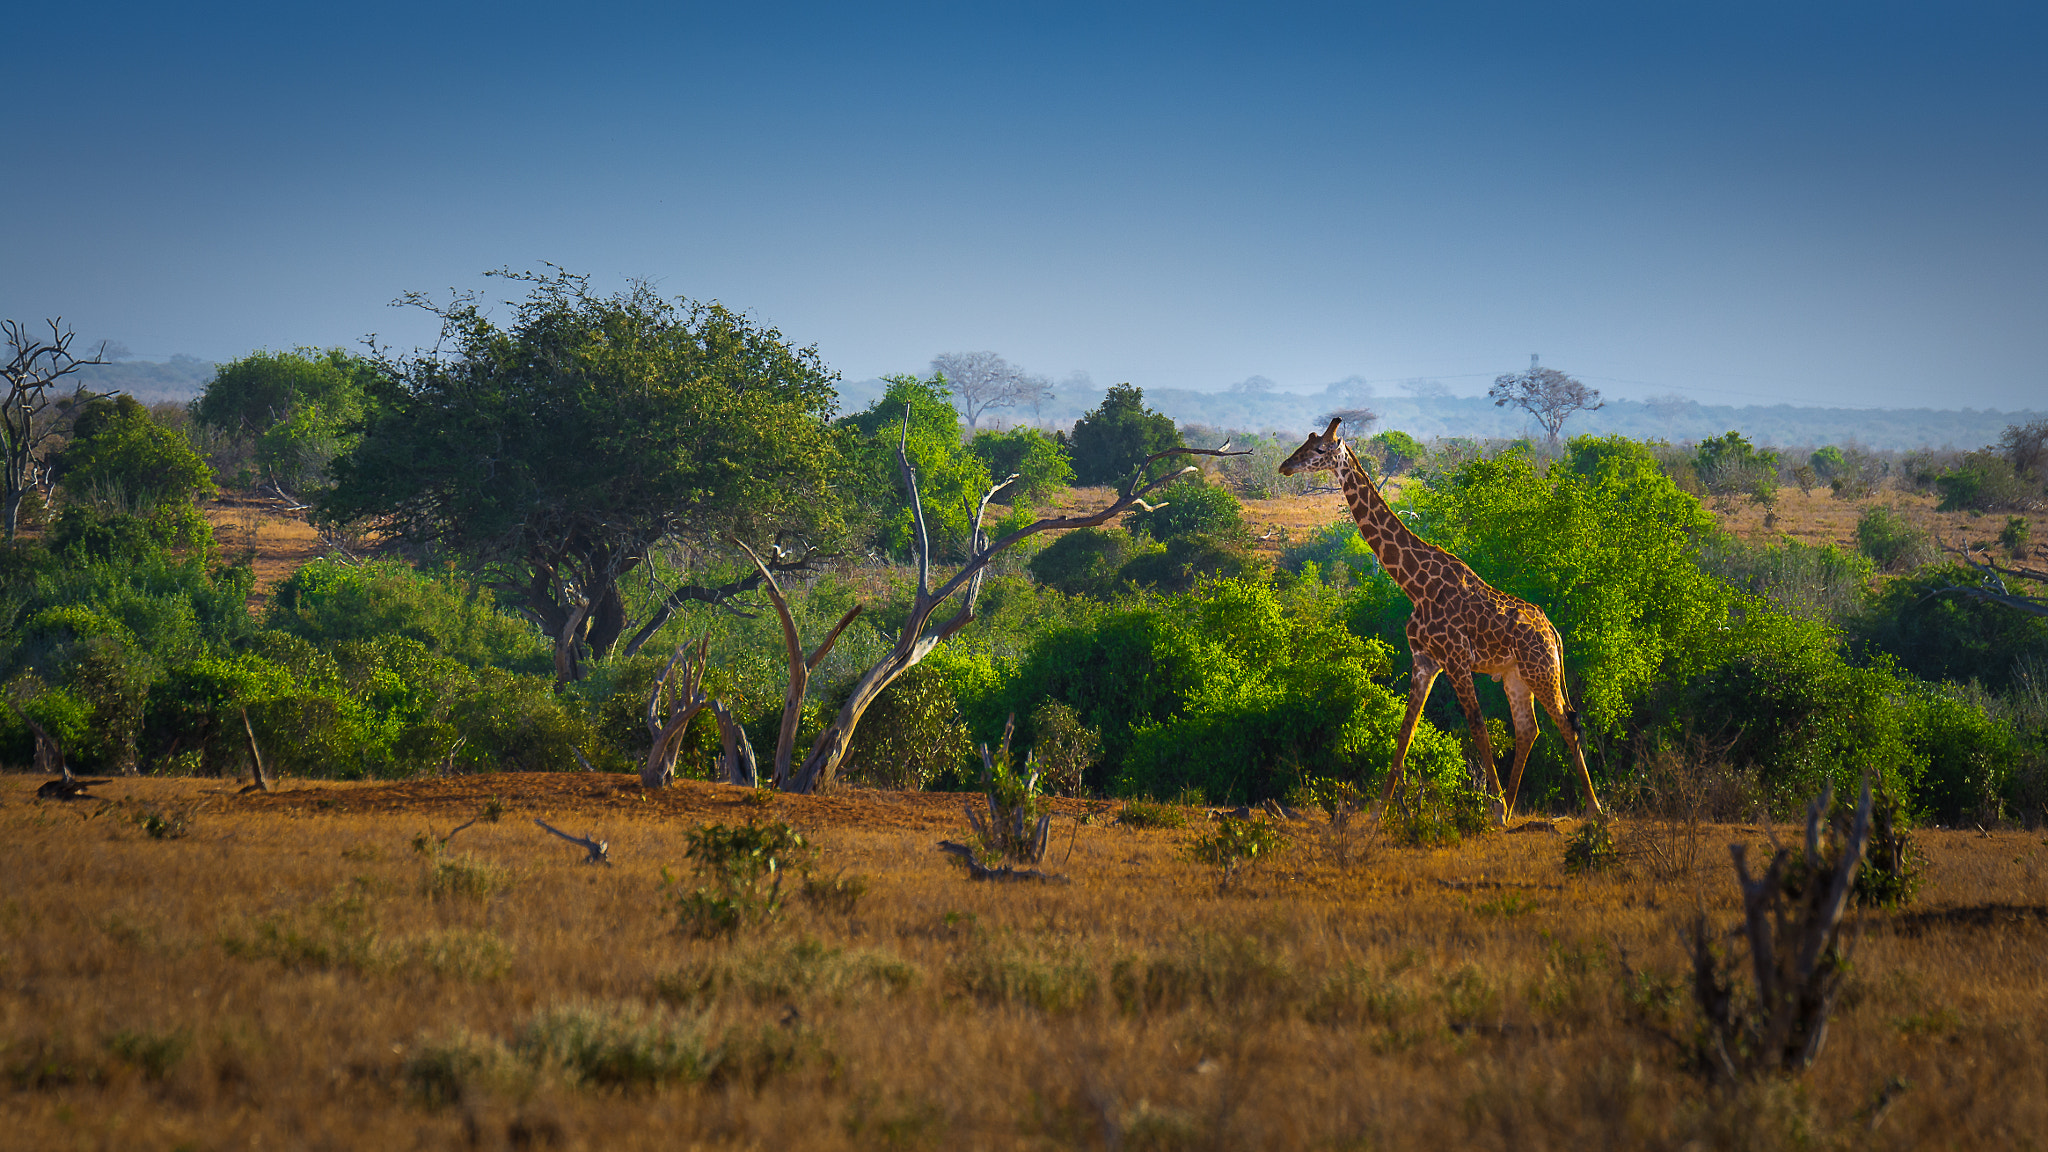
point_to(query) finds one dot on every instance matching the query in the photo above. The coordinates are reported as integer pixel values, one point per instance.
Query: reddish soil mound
(577, 794)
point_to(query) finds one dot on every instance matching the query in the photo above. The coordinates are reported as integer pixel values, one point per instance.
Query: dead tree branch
(976, 870)
(30, 369)
(255, 755)
(800, 666)
(599, 850)
(920, 634)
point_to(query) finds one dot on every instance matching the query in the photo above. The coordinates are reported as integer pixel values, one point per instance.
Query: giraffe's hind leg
(1549, 691)
(1522, 706)
(1420, 681)
(1468, 699)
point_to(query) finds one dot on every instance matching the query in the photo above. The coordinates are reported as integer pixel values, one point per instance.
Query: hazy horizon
(1827, 205)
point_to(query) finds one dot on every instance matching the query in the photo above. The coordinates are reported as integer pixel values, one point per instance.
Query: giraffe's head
(1321, 452)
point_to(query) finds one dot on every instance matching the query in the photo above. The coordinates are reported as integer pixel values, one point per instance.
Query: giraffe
(1460, 626)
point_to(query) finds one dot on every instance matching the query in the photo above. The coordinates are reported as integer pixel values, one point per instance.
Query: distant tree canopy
(299, 407)
(1547, 395)
(1109, 441)
(1040, 464)
(554, 455)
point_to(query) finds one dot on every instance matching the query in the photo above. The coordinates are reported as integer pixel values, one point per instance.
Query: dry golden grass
(292, 973)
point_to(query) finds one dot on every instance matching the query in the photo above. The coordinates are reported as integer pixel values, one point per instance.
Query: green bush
(1891, 540)
(1969, 757)
(1334, 544)
(1431, 812)
(1984, 482)
(1040, 463)
(744, 866)
(1236, 844)
(1191, 507)
(1786, 702)
(1186, 561)
(1940, 634)
(1400, 450)
(912, 734)
(1085, 561)
(328, 602)
(1729, 464)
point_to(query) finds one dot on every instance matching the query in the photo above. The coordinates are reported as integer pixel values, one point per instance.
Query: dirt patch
(280, 537)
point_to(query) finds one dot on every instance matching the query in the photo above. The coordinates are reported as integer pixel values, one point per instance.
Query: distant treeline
(1426, 417)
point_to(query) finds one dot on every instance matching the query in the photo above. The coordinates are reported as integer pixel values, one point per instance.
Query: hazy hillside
(1424, 417)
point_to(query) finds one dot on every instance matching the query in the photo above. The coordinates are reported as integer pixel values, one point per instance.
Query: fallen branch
(600, 850)
(976, 870)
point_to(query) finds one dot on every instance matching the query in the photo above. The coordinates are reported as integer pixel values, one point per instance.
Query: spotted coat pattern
(1461, 626)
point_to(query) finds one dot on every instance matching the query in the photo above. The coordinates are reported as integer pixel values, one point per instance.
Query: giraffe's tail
(1571, 715)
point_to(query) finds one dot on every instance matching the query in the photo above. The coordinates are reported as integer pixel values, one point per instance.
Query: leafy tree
(1828, 462)
(1189, 559)
(1949, 637)
(1039, 463)
(1603, 542)
(1731, 464)
(1401, 450)
(1114, 438)
(554, 456)
(1547, 395)
(116, 449)
(299, 407)
(1984, 482)
(950, 478)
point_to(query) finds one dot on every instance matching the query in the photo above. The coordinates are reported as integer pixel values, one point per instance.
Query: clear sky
(1835, 203)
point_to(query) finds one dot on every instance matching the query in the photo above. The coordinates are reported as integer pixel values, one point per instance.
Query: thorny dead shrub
(744, 866)
(1792, 924)
(1014, 831)
(1678, 789)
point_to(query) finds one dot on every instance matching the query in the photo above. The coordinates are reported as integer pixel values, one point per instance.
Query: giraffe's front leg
(1521, 705)
(1420, 681)
(1468, 699)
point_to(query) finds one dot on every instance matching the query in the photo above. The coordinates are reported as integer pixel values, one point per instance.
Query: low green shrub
(744, 866)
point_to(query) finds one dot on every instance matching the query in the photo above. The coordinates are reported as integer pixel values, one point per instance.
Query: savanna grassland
(184, 966)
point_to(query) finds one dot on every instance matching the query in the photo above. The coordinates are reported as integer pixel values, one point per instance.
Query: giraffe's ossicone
(1460, 626)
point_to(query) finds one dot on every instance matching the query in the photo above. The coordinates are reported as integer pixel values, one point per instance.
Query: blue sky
(1814, 203)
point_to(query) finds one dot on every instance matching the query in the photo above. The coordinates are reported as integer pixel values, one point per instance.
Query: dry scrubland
(291, 972)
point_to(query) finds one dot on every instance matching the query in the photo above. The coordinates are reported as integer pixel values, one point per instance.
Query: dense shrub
(1729, 464)
(1985, 482)
(329, 602)
(1191, 507)
(1814, 583)
(1940, 634)
(1086, 561)
(1039, 463)
(1188, 560)
(1782, 699)
(1891, 540)
(1335, 545)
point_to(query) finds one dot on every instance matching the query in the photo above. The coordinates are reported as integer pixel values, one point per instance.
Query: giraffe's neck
(1399, 549)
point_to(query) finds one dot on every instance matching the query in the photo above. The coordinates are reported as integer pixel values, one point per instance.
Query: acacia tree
(1546, 394)
(31, 418)
(556, 455)
(984, 380)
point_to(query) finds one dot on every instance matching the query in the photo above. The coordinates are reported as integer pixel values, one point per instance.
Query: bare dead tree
(690, 698)
(1546, 394)
(739, 763)
(30, 372)
(800, 666)
(919, 634)
(983, 380)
